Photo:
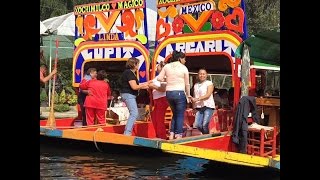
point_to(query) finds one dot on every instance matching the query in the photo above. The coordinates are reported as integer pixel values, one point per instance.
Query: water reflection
(69, 164)
(96, 167)
(82, 167)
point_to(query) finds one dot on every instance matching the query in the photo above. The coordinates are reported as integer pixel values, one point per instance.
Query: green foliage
(69, 89)
(62, 97)
(43, 96)
(72, 99)
(61, 107)
(67, 98)
(56, 97)
(221, 82)
(262, 15)
(65, 75)
(52, 8)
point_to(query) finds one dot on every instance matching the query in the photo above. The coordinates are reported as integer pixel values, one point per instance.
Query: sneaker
(171, 136)
(178, 136)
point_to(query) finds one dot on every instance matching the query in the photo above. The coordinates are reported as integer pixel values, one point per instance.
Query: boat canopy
(264, 49)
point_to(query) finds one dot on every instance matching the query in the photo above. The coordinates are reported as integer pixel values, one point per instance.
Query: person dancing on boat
(203, 102)
(160, 104)
(129, 91)
(90, 74)
(177, 91)
(96, 100)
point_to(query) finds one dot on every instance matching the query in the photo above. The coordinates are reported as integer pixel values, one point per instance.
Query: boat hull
(215, 147)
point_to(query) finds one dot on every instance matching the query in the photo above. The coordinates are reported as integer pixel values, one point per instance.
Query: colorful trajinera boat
(209, 32)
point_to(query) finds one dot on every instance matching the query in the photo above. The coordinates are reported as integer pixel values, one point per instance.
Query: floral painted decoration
(177, 25)
(217, 19)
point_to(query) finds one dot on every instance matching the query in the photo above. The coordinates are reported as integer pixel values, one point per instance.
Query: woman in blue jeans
(129, 91)
(203, 101)
(176, 75)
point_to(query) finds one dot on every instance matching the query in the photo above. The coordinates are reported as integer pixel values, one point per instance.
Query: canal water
(77, 161)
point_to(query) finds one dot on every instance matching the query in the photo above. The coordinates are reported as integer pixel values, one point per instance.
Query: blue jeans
(132, 106)
(178, 104)
(202, 119)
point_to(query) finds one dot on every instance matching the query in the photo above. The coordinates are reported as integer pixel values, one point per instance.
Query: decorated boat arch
(208, 32)
(110, 32)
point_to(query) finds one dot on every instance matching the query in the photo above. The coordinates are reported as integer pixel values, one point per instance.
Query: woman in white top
(177, 90)
(203, 101)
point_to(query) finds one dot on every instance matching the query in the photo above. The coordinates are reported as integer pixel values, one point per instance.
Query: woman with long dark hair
(177, 90)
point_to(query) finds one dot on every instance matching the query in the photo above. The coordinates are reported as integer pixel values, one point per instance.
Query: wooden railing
(268, 101)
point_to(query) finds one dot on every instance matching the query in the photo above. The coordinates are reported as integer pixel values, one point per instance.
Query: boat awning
(65, 49)
(259, 65)
(264, 50)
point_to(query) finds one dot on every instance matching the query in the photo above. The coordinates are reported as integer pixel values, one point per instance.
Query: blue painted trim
(52, 133)
(146, 24)
(151, 143)
(274, 164)
(75, 29)
(43, 130)
(245, 27)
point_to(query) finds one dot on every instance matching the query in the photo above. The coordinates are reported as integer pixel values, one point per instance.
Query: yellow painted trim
(107, 22)
(221, 156)
(103, 137)
(277, 158)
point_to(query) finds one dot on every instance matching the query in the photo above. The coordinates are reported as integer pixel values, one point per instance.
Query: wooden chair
(262, 142)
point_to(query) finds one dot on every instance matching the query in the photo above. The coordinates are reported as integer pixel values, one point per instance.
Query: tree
(52, 8)
(262, 15)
